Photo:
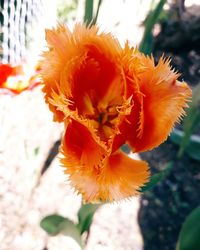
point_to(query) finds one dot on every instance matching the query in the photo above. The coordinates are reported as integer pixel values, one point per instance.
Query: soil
(179, 39)
(165, 207)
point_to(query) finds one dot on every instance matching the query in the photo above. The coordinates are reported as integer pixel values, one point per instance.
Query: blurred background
(38, 210)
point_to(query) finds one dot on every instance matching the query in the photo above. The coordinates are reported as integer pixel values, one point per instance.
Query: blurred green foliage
(189, 237)
(193, 144)
(56, 224)
(192, 120)
(88, 12)
(92, 8)
(153, 17)
(66, 10)
(189, 143)
(156, 178)
(85, 216)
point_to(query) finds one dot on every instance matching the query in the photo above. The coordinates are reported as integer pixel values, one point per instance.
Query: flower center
(106, 121)
(105, 117)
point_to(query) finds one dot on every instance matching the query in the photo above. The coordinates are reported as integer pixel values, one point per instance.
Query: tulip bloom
(107, 96)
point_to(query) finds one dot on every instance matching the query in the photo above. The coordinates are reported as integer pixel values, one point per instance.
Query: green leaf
(192, 148)
(156, 178)
(189, 237)
(88, 12)
(51, 224)
(97, 12)
(196, 95)
(55, 224)
(176, 136)
(68, 228)
(191, 121)
(85, 216)
(146, 44)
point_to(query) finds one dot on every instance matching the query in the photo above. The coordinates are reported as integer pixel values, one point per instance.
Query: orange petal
(100, 178)
(84, 66)
(82, 157)
(80, 149)
(162, 104)
(120, 178)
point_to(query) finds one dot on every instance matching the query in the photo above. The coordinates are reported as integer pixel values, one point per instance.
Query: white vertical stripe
(11, 32)
(16, 23)
(5, 32)
(22, 28)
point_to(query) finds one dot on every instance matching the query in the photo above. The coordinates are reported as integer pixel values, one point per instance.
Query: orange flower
(108, 96)
(5, 71)
(13, 79)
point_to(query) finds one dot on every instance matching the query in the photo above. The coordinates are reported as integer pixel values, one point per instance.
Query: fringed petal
(163, 102)
(81, 63)
(120, 177)
(80, 148)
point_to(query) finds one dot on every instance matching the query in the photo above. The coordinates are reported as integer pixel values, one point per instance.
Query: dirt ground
(165, 207)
